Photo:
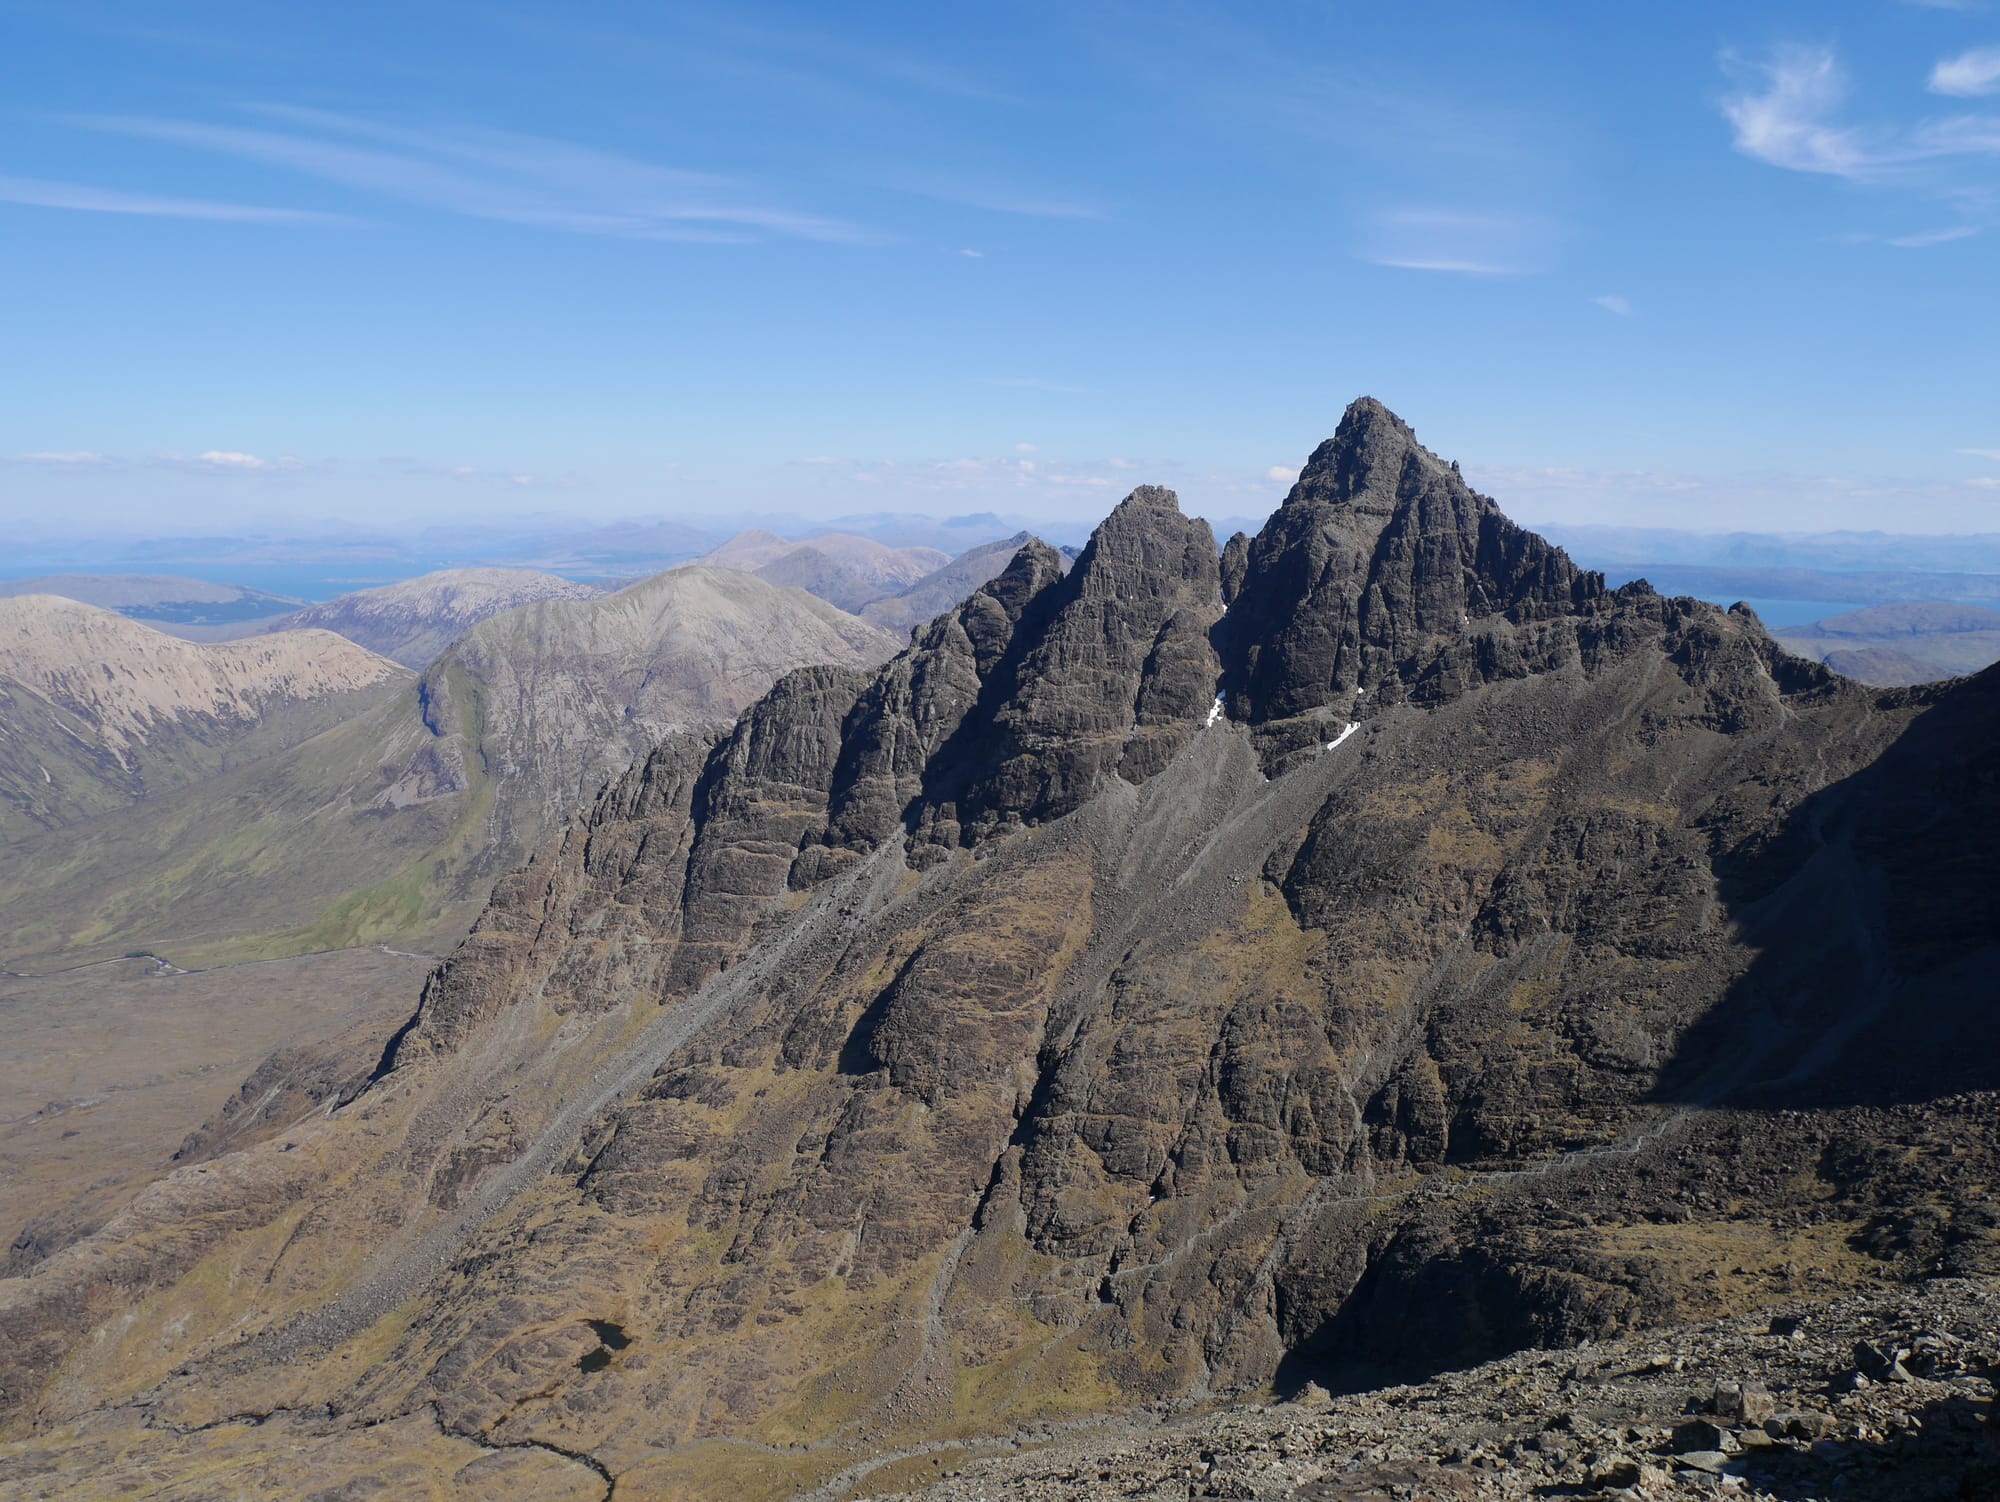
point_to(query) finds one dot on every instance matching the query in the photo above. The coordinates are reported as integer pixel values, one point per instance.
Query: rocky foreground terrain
(1356, 954)
(1878, 1397)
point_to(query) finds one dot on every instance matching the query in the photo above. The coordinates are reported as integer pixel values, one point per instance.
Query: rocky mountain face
(565, 694)
(413, 621)
(97, 710)
(393, 823)
(1373, 950)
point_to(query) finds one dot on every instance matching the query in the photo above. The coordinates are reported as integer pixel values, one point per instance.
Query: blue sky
(1694, 265)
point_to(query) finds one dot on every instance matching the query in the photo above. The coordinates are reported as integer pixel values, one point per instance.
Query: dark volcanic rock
(1381, 554)
(1003, 1034)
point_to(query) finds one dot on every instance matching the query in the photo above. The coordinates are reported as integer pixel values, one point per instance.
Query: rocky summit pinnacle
(1380, 563)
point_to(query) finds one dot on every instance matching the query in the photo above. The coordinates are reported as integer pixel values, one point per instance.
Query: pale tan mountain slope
(130, 679)
(416, 619)
(97, 710)
(391, 825)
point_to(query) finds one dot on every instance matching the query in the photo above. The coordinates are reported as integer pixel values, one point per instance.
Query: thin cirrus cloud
(1612, 302)
(1454, 242)
(62, 459)
(1970, 75)
(494, 175)
(209, 461)
(1928, 238)
(38, 193)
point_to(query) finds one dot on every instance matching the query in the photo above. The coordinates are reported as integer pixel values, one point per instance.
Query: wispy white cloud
(1024, 448)
(496, 175)
(1985, 482)
(1993, 454)
(1785, 121)
(228, 461)
(976, 255)
(37, 193)
(1787, 115)
(1612, 302)
(1932, 237)
(1447, 265)
(1970, 75)
(1279, 474)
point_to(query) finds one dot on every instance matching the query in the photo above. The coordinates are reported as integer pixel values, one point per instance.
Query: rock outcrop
(1371, 950)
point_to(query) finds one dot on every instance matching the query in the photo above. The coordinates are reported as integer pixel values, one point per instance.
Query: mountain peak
(1372, 457)
(1379, 562)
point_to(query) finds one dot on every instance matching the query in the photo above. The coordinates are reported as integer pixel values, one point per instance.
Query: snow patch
(1214, 712)
(1351, 728)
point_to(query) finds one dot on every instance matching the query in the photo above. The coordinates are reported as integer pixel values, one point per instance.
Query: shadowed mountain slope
(1165, 978)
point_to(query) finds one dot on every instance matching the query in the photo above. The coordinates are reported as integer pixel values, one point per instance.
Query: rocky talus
(1876, 1397)
(1363, 952)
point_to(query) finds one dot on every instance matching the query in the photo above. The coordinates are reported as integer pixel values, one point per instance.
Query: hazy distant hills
(844, 570)
(399, 812)
(156, 597)
(1894, 645)
(413, 621)
(100, 710)
(944, 587)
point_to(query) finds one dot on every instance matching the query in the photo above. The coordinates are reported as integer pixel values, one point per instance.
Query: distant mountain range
(380, 812)
(413, 621)
(1894, 645)
(162, 598)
